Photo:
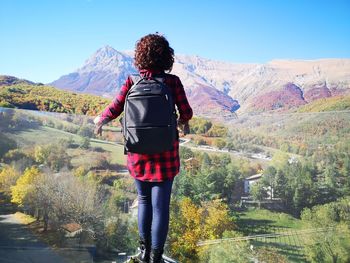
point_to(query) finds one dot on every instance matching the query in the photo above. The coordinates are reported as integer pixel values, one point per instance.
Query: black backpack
(149, 123)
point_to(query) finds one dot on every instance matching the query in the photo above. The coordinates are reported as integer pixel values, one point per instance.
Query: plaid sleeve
(116, 107)
(181, 102)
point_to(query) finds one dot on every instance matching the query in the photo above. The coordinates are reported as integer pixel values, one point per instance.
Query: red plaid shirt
(152, 167)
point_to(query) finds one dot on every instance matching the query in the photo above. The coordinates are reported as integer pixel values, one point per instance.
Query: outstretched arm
(181, 102)
(114, 109)
(183, 107)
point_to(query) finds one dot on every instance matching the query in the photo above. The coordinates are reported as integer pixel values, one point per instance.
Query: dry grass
(24, 219)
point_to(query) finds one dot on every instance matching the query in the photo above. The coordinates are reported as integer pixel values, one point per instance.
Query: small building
(72, 229)
(269, 202)
(248, 182)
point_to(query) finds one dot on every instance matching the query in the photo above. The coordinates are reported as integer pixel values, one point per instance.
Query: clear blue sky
(42, 40)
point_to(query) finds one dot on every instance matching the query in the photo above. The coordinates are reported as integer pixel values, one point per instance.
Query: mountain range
(213, 86)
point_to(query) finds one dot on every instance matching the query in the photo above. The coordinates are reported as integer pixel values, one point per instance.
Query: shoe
(156, 256)
(145, 251)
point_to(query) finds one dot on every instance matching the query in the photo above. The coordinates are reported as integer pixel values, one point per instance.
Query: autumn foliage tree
(46, 98)
(24, 186)
(52, 155)
(191, 223)
(8, 178)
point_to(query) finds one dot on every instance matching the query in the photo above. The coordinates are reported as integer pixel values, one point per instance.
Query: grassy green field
(46, 135)
(116, 150)
(260, 221)
(41, 136)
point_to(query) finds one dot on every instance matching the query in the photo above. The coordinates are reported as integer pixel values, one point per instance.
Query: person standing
(153, 173)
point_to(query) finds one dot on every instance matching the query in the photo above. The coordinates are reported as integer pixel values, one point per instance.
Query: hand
(98, 125)
(97, 120)
(186, 128)
(183, 127)
(98, 129)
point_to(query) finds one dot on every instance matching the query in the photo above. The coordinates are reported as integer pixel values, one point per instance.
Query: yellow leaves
(185, 226)
(51, 99)
(24, 185)
(191, 213)
(8, 177)
(41, 153)
(80, 171)
(192, 216)
(191, 223)
(217, 220)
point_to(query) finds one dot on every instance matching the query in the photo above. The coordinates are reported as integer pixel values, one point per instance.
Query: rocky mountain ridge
(212, 85)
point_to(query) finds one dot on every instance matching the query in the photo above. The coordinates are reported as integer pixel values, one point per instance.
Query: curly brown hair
(153, 52)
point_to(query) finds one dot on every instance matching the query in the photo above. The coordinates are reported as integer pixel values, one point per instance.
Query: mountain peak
(106, 50)
(107, 59)
(103, 73)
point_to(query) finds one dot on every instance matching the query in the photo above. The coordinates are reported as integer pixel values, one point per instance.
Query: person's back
(153, 172)
(149, 114)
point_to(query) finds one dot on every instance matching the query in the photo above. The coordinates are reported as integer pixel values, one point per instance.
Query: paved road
(18, 244)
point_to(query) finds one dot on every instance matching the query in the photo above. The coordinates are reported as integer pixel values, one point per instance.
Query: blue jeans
(153, 211)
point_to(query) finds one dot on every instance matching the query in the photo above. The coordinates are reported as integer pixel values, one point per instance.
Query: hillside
(338, 103)
(28, 95)
(10, 80)
(278, 84)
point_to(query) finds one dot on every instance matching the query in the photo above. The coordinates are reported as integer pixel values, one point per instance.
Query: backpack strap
(135, 78)
(159, 77)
